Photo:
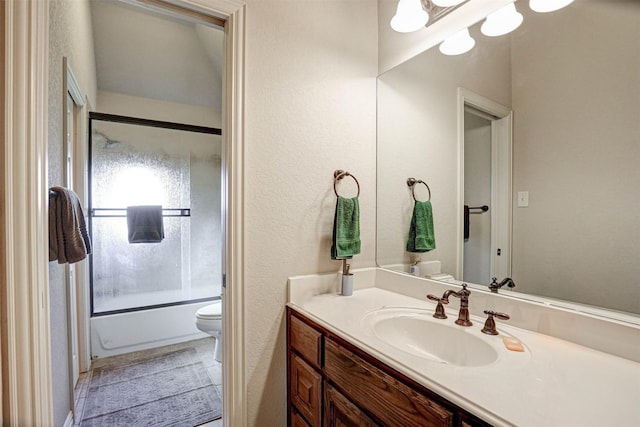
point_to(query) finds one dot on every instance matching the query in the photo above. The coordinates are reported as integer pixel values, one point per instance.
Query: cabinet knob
(490, 324)
(439, 314)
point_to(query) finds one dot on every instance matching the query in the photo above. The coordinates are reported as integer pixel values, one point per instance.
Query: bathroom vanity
(326, 368)
(380, 358)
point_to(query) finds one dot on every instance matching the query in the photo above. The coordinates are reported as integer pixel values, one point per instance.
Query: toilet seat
(210, 312)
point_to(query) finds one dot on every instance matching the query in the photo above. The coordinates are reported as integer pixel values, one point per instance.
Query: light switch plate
(523, 199)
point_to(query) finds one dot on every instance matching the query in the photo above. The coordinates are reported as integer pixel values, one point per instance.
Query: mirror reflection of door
(486, 189)
(477, 193)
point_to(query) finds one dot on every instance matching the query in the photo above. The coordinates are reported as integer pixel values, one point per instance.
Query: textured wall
(70, 35)
(310, 109)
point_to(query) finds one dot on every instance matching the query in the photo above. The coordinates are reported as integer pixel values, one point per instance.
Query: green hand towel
(421, 237)
(346, 229)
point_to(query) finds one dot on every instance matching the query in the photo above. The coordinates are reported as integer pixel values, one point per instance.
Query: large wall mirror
(571, 81)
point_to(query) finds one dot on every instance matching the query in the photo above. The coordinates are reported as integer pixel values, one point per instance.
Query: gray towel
(145, 224)
(68, 237)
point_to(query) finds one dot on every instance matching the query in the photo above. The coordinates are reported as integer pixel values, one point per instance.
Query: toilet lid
(211, 311)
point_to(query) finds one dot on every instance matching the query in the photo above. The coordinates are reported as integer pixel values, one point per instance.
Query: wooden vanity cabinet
(331, 383)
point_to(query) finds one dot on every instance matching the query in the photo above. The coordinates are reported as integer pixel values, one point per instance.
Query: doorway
(155, 142)
(477, 196)
(485, 146)
(29, 397)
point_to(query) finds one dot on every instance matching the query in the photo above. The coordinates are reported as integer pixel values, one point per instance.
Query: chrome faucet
(463, 294)
(494, 286)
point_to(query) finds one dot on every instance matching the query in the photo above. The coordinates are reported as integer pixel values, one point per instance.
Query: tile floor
(203, 347)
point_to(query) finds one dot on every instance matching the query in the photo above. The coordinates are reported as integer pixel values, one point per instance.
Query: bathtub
(140, 330)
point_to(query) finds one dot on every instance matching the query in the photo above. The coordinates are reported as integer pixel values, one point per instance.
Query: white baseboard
(69, 421)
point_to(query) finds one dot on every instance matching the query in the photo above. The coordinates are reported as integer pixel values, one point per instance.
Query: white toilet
(209, 320)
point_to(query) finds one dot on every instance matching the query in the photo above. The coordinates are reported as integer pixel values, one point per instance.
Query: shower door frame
(114, 118)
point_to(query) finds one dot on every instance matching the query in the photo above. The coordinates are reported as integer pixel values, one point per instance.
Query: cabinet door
(306, 390)
(340, 412)
(297, 420)
(306, 341)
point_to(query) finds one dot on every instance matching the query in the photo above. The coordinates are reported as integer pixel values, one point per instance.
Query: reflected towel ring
(411, 182)
(338, 175)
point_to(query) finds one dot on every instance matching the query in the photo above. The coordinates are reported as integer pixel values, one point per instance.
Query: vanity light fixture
(458, 43)
(502, 21)
(410, 16)
(446, 3)
(548, 5)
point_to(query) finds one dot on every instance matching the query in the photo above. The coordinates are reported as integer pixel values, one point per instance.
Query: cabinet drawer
(306, 390)
(339, 411)
(392, 402)
(306, 340)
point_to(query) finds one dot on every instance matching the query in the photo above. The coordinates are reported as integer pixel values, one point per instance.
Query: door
(477, 197)
(484, 247)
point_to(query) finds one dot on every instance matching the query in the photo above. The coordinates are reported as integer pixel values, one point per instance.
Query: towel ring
(338, 175)
(411, 182)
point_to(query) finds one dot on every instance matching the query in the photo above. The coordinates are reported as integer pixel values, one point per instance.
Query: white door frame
(79, 185)
(25, 301)
(69, 143)
(501, 188)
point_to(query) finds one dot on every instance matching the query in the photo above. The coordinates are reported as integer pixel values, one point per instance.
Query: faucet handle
(439, 314)
(490, 324)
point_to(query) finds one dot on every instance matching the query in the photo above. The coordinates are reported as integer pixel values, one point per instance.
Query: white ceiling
(147, 54)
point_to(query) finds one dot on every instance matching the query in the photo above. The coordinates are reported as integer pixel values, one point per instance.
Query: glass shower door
(134, 164)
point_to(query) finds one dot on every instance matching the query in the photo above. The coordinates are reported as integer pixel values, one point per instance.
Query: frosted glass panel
(139, 165)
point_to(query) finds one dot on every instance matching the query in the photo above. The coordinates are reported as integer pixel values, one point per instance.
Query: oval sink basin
(419, 334)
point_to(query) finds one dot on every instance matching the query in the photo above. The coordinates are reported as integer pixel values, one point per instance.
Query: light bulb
(548, 5)
(458, 43)
(446, 3)
(502, 21)
(410, 16)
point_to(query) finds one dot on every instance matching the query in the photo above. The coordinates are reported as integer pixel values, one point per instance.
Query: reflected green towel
(421, 237)
(346, 229)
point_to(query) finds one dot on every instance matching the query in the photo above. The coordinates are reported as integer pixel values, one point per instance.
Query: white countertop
(553, 383)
